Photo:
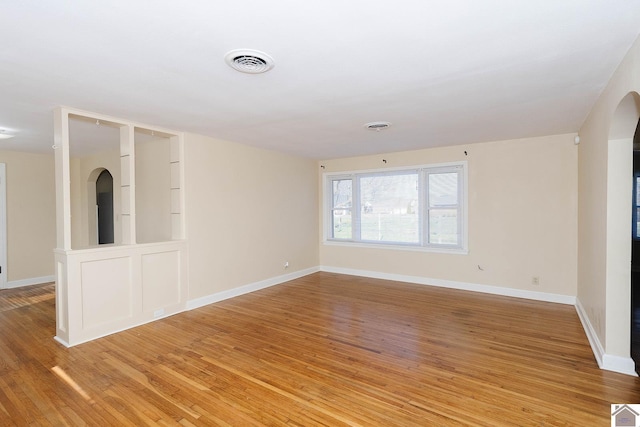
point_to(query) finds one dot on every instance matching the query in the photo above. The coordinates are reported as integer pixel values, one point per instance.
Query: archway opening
(635, 253)
(104, 204)
(620, 232)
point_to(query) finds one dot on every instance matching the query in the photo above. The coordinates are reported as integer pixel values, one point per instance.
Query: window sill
(409, 248)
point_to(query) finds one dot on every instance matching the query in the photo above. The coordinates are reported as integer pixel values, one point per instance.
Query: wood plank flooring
(20, 297)
(323, 350)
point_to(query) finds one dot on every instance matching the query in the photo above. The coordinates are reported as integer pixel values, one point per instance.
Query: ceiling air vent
(377, 126)
(249, 61)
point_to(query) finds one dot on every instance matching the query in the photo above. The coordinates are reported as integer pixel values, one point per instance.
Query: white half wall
(104, 290)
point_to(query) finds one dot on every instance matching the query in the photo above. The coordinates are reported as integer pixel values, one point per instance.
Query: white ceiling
(443, 72)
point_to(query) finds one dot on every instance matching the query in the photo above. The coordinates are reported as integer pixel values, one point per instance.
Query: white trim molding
(251, 287)
(592, 336)
(609, 362)
(31, 281)
(487, 289)
(3, 227)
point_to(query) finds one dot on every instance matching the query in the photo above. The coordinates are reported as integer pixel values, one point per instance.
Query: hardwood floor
(20, 297)
(326, 349)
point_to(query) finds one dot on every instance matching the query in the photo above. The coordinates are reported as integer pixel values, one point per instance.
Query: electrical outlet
(286, 264)
(535, 280)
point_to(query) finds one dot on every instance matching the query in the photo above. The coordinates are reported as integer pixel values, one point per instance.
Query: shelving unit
(102, 289)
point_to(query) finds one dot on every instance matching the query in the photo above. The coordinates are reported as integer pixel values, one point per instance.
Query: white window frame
(423, 172)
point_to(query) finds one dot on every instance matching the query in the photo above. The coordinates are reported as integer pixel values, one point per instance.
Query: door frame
(3, 225)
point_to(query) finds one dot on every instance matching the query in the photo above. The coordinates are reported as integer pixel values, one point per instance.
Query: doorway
(104, 202)
(3, 225)
(635, 254)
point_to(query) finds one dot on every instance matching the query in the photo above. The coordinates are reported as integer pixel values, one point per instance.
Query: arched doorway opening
(620, 241)
(635, 253)
(104, 204)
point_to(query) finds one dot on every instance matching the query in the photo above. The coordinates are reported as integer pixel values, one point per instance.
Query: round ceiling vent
(249, 61)
(377, 126)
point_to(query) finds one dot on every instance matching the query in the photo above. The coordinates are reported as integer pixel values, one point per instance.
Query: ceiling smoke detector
(377, 126)
(249, 61)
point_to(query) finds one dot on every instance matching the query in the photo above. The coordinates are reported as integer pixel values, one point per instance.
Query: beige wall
(153, 197)
(522, 203)
(248, 212)
(31, 204)
(603, 256)
(153, 191)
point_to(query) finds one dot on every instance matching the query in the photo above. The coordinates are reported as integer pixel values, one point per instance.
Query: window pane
(443, 189)
(342, 193)
(341, 209)
(443, 226)
(389, 208)
(341, 224)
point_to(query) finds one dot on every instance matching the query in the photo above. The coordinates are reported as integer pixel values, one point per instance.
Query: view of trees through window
(389, 205)
(443, 215)
(415, 207)
(341, 209)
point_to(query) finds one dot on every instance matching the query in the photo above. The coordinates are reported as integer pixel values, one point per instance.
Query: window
(419, 207)
(388, 207)
(341, 208)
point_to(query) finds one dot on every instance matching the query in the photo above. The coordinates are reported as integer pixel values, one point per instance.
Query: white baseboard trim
(115, 331)
(61, 341)
(495, 290)
(28, 282)
(251, 287)
(592, 336)
(623, 365)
